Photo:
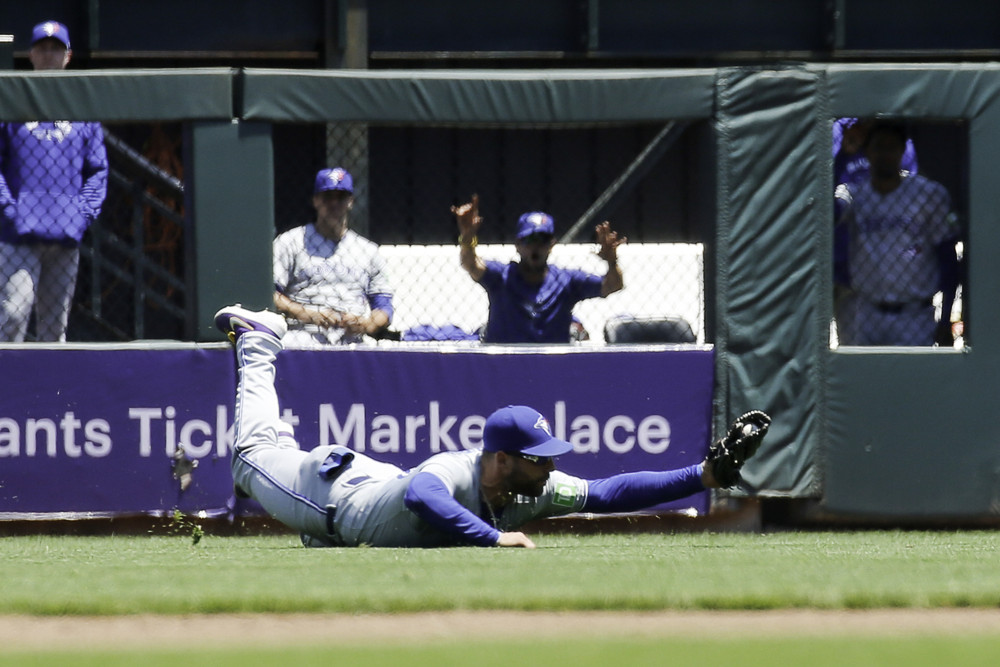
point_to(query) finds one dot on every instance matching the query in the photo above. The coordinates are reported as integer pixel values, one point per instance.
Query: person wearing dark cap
(335, 496)
(50, 48)
(53, 182)
(329, 281)
(531, 301)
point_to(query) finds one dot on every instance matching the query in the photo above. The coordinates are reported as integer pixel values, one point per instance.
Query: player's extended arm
(633, 491)
(468, 219)
(429, 499)
(609, 242)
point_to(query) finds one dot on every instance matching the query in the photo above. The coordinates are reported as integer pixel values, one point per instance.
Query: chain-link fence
(124, 257)
(897, 246)
(407, 178)
(126, 273)
(134, 283)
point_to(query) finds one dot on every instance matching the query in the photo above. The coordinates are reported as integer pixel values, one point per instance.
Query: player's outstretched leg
(257, 337)
(267, 464)
(744, 437)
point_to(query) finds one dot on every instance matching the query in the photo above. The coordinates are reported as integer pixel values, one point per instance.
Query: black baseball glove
(742, 441)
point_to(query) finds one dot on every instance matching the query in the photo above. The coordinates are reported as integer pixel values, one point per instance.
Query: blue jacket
(53, 180)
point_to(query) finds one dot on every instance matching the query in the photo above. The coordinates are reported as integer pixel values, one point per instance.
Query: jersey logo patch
(565, 495)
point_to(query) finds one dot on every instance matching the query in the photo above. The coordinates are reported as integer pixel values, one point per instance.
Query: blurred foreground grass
(907, 651)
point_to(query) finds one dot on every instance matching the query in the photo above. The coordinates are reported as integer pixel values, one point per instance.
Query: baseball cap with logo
(535, 222)
(519, 429)
(334, 179)
(50, 30)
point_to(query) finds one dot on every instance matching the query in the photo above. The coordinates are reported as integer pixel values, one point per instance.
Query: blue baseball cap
(535, 222)
(334, 179)
(521, 430)
(50, 30)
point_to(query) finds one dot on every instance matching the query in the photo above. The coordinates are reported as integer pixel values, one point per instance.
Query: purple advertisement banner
(95, 430)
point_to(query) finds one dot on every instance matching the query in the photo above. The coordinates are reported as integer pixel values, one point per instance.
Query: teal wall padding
(772, 252)
(232, 221)
(478, 96)
(911, 432)
(117, 95)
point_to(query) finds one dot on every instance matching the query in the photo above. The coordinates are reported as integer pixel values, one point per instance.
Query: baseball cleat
(234, 321)
(727, 456)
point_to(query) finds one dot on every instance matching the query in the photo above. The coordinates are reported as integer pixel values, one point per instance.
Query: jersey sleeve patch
(565, 495)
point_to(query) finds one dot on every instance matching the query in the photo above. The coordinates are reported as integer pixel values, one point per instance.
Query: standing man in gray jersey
(338, 497)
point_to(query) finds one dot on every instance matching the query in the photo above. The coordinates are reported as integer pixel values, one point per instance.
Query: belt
(896, 308)
(331, 514)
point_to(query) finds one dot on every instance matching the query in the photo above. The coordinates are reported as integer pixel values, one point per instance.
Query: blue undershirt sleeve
(633, 491)
(381, 302)
(429, 499)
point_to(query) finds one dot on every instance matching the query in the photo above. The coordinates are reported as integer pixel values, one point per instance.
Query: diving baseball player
(329, 281)
(338, 497)
(902, 235)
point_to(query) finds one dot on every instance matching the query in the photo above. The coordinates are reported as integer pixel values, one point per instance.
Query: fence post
(229, 204)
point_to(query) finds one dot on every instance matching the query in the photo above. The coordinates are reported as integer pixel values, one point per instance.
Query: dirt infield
(26, 632)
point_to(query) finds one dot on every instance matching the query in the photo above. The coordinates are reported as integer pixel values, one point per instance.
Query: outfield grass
(45, 575)
(152, 574)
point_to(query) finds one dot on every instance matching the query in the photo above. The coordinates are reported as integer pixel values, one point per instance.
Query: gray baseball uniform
(321, 273)
(893, 261)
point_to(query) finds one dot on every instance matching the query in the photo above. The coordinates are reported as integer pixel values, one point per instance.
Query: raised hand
(609, 241)
(467, 217)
